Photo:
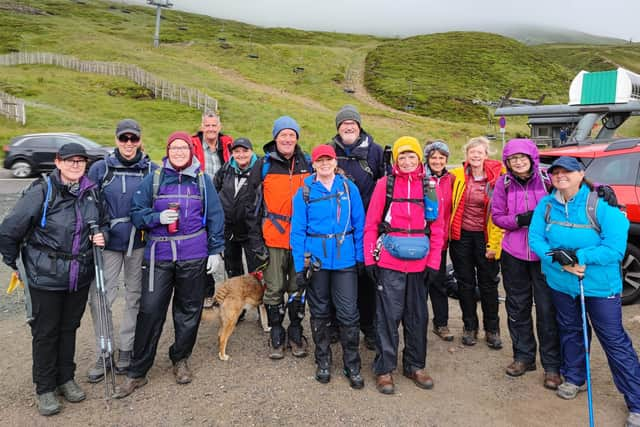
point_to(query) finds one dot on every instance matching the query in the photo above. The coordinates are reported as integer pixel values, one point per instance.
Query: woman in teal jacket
(327, 228)
(594, 247)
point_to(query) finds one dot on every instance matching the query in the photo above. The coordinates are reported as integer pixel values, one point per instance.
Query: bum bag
(406, 247)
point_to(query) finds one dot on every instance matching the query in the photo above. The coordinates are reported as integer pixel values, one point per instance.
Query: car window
(615, 170)
(86, 142)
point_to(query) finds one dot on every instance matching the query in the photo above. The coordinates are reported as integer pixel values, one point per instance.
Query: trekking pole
(586, 349)
(106, 348)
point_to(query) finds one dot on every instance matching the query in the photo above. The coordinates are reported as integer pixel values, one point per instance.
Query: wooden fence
(162, 89)
(13, 108)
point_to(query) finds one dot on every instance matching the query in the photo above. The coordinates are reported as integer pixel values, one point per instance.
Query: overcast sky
(617, 18)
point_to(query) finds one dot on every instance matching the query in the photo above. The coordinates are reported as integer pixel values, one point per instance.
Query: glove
(213, 262)
(524, 219)
(301, 281)
(608, 195)
(168, 216)
(360, 270)
(372, 272)
(564, 256)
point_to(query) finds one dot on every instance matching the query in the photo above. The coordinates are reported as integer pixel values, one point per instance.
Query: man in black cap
(237, 183)
(362, 161)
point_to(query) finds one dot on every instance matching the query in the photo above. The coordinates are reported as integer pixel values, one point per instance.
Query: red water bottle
(173, 227)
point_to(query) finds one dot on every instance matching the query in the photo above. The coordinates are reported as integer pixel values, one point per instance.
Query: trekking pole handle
(93, 227)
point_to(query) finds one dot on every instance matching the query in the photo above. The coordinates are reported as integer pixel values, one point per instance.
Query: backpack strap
(47, 200)
(385, 227)
(591, 210)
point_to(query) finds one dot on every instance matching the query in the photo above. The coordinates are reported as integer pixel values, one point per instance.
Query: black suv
(34, 153)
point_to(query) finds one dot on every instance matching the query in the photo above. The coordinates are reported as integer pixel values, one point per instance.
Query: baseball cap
(323, 150)
(72, 149)
(128, 126)
(569, 163)
(242, 142)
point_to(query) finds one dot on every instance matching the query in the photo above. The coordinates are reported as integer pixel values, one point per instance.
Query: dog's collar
(260, 277)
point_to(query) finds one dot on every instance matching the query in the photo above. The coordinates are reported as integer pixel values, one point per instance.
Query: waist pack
(406, 247)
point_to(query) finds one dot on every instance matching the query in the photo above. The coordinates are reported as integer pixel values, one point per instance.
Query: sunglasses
(126, 138)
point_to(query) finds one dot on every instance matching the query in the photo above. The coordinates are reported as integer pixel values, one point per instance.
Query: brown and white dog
(233, 296)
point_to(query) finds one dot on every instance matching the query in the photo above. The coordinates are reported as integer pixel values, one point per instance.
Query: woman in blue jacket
(327, 229)
(595, 248)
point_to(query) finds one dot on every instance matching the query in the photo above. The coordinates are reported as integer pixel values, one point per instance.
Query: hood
(234, 164)
(524, 146)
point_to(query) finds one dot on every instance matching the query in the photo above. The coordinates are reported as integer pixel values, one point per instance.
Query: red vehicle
(618, 165)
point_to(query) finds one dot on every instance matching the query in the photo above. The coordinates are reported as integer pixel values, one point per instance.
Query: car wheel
(21, 169)
(630, 275)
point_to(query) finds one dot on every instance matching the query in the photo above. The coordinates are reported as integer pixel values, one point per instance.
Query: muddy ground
(471, 388)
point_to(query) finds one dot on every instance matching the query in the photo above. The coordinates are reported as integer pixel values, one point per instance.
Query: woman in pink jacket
(402, 240)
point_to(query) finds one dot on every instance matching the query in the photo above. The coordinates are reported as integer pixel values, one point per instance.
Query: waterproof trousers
(337, 288)
(525, 284)
(400, 297)
(605, 316)
(471, 267)
(185, 282)
(438, 294)
(56, 317)
(114, 262)
(233, 264)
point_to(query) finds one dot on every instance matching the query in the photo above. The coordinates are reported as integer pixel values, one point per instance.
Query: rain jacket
(405, 215)
(492, 233)
(600, 252)
(224, 145)
(330, 225)
(512, 196)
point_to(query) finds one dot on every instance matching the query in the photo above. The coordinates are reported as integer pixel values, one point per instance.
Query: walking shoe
(384, 384)
(493, 340)
(443, 332)
(299, 350)
(124, 359)
(355, 379)
(420, 378)
(48, 403)
(96, 373)
(469, 337)
(323, 375)
(551, 380)
(72, 392)
(182, 372)
(128, 386)
(208, 302)
(518, 368)
(633, 420)
(277, 352)
(569, 391)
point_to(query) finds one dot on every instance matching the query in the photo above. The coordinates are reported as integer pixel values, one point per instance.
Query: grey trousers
(113, 264)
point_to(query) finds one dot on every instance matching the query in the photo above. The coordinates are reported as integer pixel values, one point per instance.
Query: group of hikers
(361, 238)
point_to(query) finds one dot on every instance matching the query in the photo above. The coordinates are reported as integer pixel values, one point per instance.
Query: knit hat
(285, 122)
(323, 150)
(436, 145)
(186, 138)
(406, 143)
(348, 112)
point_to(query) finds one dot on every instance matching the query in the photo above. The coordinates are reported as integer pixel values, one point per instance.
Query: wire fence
(13, 108)
(161, 89)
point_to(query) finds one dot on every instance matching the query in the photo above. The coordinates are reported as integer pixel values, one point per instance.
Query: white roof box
(604, 87)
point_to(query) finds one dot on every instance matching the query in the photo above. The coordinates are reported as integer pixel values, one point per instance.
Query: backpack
(49, 197)
(110, 173)
(429, 201)
(591, 211)
(306, 190)
(157, 178)
(266, 164)
(364, 163)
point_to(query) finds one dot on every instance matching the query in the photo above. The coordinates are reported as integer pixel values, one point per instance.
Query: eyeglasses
(75, 162)
(179, 149)
(126, 138)
(517, 158)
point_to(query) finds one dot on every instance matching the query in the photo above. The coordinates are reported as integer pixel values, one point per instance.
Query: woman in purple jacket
(514, 199)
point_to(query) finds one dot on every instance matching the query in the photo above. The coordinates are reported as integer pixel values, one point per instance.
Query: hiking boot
(420, 378)
(370, 342)
(72, 392)
(208, 302)
(633, 420)
(323, 375)
(551, 380)
(469, 337)
(182, 372)
(96, 373)
(124, 359)
(493, 340)
(48, 403)
(355, 379)
(128, 386)
(277, 352)
(299, 350)
(384, 384)
(569, 391)
(518, 368)
(443, 332)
